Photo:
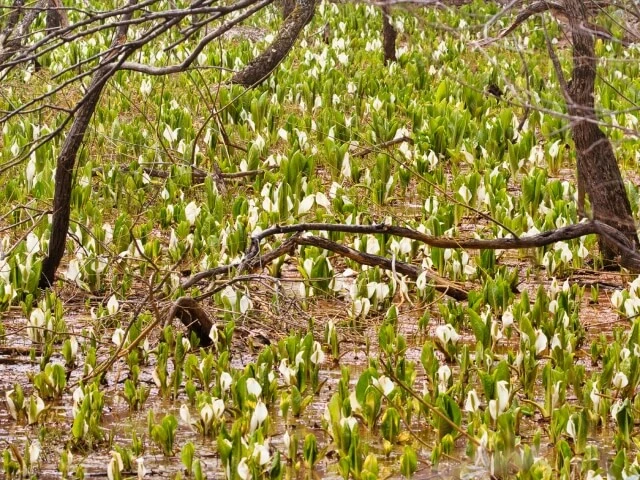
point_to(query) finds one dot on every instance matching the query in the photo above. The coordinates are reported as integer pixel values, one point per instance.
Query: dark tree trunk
(192, 316)
(389, 36)
(287, 7)
(261, 67)
(56, 16)
(598, 170)
(15, 31)
(67, 159)
(64, 178)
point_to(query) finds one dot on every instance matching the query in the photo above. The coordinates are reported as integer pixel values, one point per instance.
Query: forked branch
(542, 6)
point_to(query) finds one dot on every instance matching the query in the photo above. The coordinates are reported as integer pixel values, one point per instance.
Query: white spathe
(260, 414)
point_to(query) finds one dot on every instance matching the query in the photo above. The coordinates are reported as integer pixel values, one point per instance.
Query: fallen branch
(442, 285)
(198, 175)
(192, 316)
(242, 278)
(630, 259)
(20, 350)
(366, 151)
(286, 247)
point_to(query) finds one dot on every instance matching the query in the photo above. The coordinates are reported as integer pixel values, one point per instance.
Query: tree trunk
(261, 67)
(67, 159)
(598, 169)
(15, 32)
(389, 36)
(192, 316)
(287, 7)
(64, 178)
(56, 16)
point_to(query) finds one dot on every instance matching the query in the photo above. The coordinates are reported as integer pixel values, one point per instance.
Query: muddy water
(119, 422)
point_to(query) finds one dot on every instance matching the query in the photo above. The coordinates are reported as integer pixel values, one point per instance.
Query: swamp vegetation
(398, 253)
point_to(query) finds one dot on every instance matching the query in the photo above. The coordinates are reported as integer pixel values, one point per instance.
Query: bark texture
(442, 285)
(192, 316)
(67, 160)
(64, 178)
(287, 7)
(389, 35)
(56, 16)
(19, 21)
(12, 19)
(18, 24)
(598, 170)
(261, 67)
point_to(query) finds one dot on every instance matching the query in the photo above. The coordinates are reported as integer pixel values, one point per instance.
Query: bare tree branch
(440, 284)
(13, 36)
(542, 6)
(631, 258)
(151, 70)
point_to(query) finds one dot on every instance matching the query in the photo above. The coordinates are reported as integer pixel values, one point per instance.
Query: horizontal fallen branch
(630, 260)
(198, 175)
(442, 285)
(375, 148)
(252, 260)
(256, 262)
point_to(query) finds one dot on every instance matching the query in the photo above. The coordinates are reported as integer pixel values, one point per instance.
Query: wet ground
(18, 361)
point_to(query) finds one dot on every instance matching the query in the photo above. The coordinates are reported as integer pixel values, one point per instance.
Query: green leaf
(186, 456)
(408, 462)
(310, 450)
(390, 426)
(451, 410)
(480, 329)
